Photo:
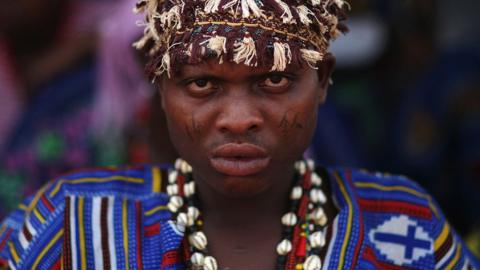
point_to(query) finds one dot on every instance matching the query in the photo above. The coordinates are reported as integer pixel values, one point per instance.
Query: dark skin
(210, 105)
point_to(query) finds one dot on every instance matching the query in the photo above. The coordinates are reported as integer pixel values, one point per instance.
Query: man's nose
(239, 115)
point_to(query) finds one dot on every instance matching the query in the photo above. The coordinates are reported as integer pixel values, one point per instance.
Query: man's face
(242, 128)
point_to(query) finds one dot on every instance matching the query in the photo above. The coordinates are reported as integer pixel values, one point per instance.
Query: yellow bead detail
(299, 266)
(199, 223)
(303, 234)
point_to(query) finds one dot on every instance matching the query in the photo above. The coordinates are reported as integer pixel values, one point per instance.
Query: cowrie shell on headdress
(198, 259)
(210, 263)
(172, 177)
(317, 239)
(313, 262)
(284, 247)
(189, 189)
(289, 219)
(316, 180)
(198, 240)
(296, 193)
(172, 189)
(317, 196)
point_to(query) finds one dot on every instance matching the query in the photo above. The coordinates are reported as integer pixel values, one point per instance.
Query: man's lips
(239, 159)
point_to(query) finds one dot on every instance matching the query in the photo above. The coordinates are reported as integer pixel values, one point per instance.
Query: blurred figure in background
(63, 105)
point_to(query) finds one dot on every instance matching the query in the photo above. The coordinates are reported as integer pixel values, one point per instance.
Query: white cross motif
(401, 240)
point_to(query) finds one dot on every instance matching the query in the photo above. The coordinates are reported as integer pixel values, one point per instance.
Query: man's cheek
(291, 121)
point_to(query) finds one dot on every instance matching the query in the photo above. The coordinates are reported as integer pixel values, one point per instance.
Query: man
(240, 83)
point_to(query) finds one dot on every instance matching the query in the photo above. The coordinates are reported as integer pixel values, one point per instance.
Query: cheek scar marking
(288, 122)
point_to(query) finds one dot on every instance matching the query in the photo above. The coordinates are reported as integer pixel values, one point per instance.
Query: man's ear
(324, 73)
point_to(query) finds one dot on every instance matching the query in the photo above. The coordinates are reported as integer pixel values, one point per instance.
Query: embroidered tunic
(117, 219)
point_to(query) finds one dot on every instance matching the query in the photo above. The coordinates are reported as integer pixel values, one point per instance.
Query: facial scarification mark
(189, 132)
(290, 120)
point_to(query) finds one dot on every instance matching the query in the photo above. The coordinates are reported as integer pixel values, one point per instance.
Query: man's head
(241, 81)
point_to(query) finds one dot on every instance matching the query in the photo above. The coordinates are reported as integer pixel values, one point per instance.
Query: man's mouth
(239, 159)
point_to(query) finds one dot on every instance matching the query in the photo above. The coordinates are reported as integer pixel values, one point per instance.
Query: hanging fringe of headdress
(140, 44)
(211, 6)
(244, 51)
(140, 6)
(304, 13)
(282, 56)
(287, 13)
(165, 65)
(316, 2)
(341, 3)
(172, 18)
(218, 44)
(248, 7)
(311, 57)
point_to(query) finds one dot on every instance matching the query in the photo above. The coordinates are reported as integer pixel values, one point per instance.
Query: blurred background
(405, 99)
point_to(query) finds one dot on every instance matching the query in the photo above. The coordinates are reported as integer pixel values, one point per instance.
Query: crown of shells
(259, 33)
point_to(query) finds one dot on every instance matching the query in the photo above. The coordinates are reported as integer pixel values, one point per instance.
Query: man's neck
(243, 232)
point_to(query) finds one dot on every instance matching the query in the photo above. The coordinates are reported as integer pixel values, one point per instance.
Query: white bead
(297, 165)
(319, 217)
(289, 219)
(176, 201)
(316, 180)
(198, 259)
(317, 240)
(296, 193)
(284, 247)
(182, 219)
(178, 163)
(172, 189)
(313, 262)
(302, 168)
(310, 206)
(311, 164)
(185, 167)
(198, 240)
(189, 189)
(172, 177)
(210, 263)
(317, 196)
(193, 212)
(172, 207)
(192, 215)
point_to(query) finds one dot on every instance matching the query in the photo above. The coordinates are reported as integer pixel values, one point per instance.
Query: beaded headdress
(259, 33)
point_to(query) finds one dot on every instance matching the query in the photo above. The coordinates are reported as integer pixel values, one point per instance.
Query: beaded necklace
(303, 234)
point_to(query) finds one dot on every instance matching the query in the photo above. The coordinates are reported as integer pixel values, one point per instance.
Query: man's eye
(276, 80)
(200, 87)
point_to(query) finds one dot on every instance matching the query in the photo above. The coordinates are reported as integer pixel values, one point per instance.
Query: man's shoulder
(402, 224)
(385, 189)
(134, 182)
(82, 200)
(380, 196)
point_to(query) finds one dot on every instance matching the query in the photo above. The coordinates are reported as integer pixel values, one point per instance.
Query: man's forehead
(213, 68)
